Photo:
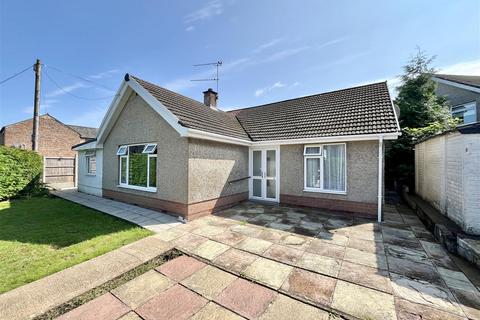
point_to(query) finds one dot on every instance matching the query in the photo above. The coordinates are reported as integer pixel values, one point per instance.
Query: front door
(264, 165)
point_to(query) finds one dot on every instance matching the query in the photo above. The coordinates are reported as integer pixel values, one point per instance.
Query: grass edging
(109, 285)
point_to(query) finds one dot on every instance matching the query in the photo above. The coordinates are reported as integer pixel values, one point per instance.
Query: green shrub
(20, 173)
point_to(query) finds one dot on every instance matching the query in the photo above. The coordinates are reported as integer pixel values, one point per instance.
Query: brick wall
(55, 139)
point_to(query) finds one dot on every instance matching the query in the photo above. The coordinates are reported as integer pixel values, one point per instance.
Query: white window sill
(146, 189)
(324, 191)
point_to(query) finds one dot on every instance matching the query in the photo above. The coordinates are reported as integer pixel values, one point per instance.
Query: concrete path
(148, 219)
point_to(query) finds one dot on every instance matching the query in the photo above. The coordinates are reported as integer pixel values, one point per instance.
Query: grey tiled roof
(84, 132)
(360, 110)
(194, 114)
(473, 81)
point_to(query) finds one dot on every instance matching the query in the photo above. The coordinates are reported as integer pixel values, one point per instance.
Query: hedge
(20, 173)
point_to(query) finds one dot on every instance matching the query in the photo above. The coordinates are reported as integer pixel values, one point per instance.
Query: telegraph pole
(36, 104)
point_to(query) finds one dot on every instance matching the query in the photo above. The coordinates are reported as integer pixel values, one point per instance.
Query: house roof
(360, 110)
(194, 114)
(84, 132)
(473, 81)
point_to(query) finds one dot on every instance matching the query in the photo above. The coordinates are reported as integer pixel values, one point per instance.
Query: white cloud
(105, 74)
(280, 55)
(211, 8)
(262, 91)
(471, 68)
(267, 45)
(65, 90)
(190, 28)
(91, 118)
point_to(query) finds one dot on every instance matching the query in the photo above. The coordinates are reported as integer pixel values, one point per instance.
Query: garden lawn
(40, 236)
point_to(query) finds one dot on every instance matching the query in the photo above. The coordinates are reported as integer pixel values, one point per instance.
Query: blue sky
(271, 50)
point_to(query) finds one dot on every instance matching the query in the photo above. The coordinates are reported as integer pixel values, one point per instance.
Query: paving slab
(189, 242)
(415, 270)
(235, 260)
(130, 316)
(141, 289)
(366, 276)
(407, 310)
(310, 286)
(337, 239)
(326, 249)
(407, 253)
(246, 298)
(209, 281)
(425, 293)
(438, 254)
(147, 248)
(180, 268)
(210, 249)
(363, 303)
(456, 280)
(271, 235)
(283, 254)
(469, 302)
(171, 234)
(246, 230)
(213, 311)
(320, 264)
(268, 272)
(296, 242)
(367, 245)
(174, 303)
(105, 307)
(254, 245)
(229, 238)
(366, 258)
(209, 231)
(286, 308)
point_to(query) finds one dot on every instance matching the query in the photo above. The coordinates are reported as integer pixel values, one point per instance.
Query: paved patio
(261, 261)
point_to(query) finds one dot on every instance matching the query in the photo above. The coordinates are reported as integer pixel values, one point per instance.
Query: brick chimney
(210, 98)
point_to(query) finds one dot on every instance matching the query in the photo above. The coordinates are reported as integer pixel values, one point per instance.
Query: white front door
(264, 168)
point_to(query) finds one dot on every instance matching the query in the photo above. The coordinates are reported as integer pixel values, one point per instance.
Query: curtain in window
(334, 167)
(313, 173)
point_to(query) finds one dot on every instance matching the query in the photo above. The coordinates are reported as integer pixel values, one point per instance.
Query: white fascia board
(198, 134)
(363, 137)
(156, 105)
(119, 102)
(87, 146)
(456, 84)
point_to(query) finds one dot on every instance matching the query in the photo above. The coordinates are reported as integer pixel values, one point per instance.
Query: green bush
(20, 173)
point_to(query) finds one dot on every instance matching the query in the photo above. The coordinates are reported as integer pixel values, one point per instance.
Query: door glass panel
(271, 163)
(257, 163)
(257, 188)
(271, 190)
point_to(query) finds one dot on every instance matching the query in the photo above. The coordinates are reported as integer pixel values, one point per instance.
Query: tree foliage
(422, 114)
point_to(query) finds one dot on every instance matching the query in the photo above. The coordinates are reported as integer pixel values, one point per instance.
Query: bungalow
(165, 151)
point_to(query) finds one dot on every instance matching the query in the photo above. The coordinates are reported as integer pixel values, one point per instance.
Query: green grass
(40, 236)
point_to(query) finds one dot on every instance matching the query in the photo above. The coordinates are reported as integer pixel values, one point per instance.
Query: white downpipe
(380, 177)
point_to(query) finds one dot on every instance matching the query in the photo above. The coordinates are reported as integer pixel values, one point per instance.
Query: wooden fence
(59, 172)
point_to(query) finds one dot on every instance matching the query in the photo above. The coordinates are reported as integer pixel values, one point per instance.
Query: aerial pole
(37, 67)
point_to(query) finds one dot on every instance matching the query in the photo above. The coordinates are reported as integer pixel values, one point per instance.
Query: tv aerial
(216, 78)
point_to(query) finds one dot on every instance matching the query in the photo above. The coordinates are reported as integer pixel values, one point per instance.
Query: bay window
(138, 166)
(325, 168)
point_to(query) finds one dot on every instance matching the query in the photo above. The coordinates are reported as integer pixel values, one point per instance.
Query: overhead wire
(16, 74)
(79, 77)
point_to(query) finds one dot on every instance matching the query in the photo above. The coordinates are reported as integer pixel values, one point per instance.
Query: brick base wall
(357, 208)
(187, 211)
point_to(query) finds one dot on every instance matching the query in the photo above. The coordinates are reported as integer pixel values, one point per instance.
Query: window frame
(321, 157)
(127, 168)
(89, 156)
(463, 109)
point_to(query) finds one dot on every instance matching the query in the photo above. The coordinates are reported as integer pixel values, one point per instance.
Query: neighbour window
(91, 162)
(467, 113)
(138, 166)
(325, 167)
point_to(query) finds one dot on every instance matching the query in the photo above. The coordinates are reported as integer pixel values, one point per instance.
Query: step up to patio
(469, 249)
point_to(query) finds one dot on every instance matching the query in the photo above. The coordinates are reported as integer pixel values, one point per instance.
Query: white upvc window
(325, 168)
(466, 112)
(91, 162)
(138, 167)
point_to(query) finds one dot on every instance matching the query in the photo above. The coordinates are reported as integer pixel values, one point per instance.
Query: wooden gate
(59, 173)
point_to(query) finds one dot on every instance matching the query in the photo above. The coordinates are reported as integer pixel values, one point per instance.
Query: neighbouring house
(54, 144)
(463, 95)
(447, 175)
(162, 150)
